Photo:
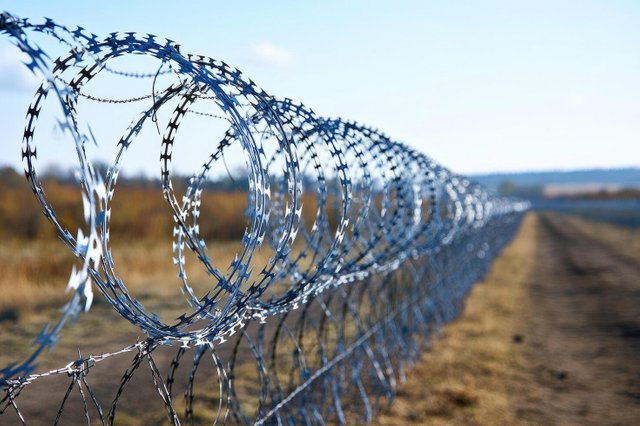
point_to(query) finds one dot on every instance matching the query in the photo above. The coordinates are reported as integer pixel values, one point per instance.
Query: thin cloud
(14, 75)
(271, 54)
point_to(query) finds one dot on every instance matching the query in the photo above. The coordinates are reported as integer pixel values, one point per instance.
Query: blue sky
(479, 86)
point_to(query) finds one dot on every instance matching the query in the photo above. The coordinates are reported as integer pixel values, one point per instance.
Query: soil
(582, 336)
(551, 336)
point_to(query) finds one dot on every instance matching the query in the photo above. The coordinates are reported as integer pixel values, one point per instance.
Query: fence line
(344, 303)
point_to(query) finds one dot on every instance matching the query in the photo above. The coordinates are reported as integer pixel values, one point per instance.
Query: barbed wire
(345, 302)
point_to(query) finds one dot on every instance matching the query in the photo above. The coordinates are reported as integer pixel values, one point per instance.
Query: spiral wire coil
(344, 304)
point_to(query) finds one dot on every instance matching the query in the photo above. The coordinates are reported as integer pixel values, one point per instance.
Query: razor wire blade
(380, 209)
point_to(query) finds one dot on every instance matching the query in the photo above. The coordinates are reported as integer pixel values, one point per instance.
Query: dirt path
(550, 337)
(583, 331)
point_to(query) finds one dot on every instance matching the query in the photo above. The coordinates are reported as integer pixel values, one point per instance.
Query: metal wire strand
(359, 276)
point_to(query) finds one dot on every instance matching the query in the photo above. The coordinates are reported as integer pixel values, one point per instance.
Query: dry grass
(468, 375)
(137, 212)
(33, 275)
(475, 374)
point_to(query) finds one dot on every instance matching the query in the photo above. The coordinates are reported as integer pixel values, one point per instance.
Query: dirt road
(551, 336)
(583, 331)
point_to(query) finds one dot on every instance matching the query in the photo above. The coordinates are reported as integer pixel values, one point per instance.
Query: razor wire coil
(395, 242)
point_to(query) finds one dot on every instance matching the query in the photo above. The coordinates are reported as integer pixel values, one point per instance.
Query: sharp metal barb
(371, 246)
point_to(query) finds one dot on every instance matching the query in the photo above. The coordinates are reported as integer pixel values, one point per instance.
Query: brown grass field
(550, 336)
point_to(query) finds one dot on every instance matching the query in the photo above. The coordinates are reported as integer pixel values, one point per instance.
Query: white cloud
(271, 54)
(14, 74)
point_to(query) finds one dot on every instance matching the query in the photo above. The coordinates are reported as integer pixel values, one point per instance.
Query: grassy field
(548, 337)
